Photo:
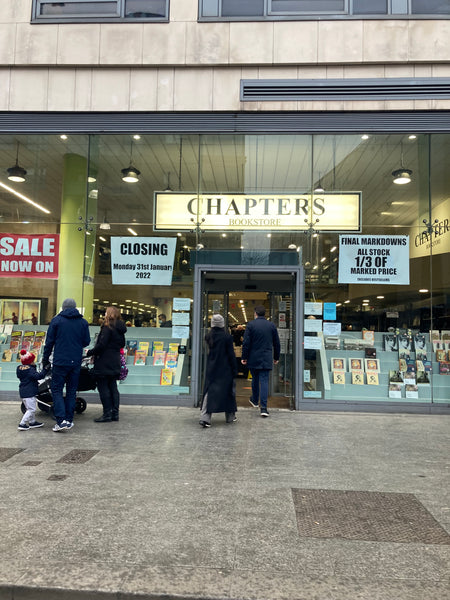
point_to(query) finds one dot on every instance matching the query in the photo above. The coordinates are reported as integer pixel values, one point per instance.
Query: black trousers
(109, 395)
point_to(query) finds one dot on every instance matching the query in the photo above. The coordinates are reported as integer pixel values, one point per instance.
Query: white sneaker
(68, 424)
(61, 427)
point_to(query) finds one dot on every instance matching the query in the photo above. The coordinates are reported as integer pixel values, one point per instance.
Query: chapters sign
(374, 259)
(32, 256)
(142, 260)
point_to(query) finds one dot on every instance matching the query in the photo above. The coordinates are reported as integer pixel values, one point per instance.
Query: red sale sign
(29, 255)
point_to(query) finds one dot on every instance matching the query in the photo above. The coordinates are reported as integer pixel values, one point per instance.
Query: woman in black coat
(106, 353)
(219, 393)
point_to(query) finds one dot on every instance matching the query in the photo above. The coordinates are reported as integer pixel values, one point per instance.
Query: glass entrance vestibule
(365, 216)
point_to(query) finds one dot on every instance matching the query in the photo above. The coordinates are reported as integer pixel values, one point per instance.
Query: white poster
(142, 260)
(182, 303)
(313, 308)
(374, 259)
(312, 325)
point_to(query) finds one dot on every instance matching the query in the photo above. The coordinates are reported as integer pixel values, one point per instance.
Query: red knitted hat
(27, 358)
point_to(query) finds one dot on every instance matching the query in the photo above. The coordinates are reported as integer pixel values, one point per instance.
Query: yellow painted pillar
(74, 243)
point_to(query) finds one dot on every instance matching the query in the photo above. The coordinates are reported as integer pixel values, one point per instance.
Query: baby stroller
(86, 382)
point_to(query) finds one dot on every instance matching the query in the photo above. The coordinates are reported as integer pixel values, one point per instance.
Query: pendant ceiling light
(401, 175)
(16, 173)
(130, 174)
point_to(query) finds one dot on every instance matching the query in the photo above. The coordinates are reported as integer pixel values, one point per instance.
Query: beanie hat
(217, 321)
(69, 303)
(27, 358)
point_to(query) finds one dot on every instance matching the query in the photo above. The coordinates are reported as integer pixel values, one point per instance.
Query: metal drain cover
(6, 453)
(77, 456)
(370, 516)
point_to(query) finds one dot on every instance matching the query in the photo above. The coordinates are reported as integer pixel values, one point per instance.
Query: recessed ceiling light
(333, 249)
(136, 137)
(131, 231)
(365, 136)
(346, 301)
(63, 136)
(423, 291)
(380, 297)
(412, 137)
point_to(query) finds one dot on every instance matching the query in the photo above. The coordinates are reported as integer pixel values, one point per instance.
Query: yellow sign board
(328, 211)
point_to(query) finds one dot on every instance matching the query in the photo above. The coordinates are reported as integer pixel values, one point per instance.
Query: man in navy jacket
(67, 335)
(260, 351)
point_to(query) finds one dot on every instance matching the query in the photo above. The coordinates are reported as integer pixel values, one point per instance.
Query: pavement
(298, 506)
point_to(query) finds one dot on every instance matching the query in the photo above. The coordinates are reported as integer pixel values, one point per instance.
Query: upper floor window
(317, 9)
(76, 11)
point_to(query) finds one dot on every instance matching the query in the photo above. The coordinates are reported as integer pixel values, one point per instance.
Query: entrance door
(234, 292)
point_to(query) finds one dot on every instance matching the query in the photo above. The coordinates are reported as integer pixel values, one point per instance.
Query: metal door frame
(294, 270)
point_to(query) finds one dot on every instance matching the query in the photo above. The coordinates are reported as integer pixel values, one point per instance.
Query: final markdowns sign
(374, 259)
(142, 260)
(328, 211)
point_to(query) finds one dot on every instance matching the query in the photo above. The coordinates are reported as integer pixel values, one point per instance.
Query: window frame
(119, 16)
(270, 15)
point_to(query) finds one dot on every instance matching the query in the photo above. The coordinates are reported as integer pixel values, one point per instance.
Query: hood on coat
(71, 313)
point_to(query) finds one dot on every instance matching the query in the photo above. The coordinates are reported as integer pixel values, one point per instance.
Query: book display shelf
(158, 364)
(400, 367)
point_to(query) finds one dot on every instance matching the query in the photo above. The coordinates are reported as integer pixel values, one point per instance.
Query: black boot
(105, 418)
(115, 415)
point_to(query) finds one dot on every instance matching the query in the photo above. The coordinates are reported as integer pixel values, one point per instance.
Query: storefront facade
(252, 175)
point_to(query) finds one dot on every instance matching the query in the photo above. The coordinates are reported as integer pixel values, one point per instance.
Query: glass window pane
(145, 8)
(429, 7)
(79, 8)
(308, 6)
(237, 8)
(370, 7)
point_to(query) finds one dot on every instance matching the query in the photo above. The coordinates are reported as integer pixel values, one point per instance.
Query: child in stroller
(44, 396)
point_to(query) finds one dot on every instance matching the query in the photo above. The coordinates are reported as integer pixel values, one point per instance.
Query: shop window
(99, 10)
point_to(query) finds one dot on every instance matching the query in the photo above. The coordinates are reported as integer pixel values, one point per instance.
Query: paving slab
(156, 507)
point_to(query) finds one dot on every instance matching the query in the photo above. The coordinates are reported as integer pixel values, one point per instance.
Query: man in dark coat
(260, 351)
(219, 394)
(67, 335)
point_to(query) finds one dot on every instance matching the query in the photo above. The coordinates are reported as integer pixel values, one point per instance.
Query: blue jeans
(260, 386)
(64, 407)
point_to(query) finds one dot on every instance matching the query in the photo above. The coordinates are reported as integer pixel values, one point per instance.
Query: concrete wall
(185, 65)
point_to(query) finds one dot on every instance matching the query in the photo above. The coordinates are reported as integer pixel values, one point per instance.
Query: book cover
(404, 342)
(395, 376)
(423, 377)
(143, 346)
(356, 364)
(173, 347)
(14, 344)
(338, 364)
(441, 355)
(131, 347)
(171, 363)
(29, 335)
(434, 335)
(358, 377)
(139, 358)
(419, 366)
(420, 342)
(26, 344)
(411, 391)
(370, 352)
(36, 347)
(166, 377)
(390, 342)
(372, 378)
(438, 345)
(445, 335)
(157, 345)
(3, 337)
(428, 366)
(395, 390)
(402, 365)
(339, 377)
(7, 328)
(7, 355)
(372, 365)
(404, 353)
(421, 355)
(368, 336)
(444, 368)
(40, 335)
(410, 366)
(159, 358)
